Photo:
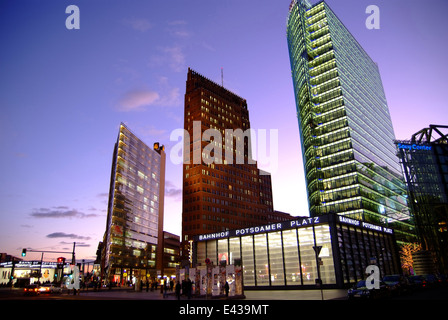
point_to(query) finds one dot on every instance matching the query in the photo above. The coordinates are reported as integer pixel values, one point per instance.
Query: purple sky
(63, 94)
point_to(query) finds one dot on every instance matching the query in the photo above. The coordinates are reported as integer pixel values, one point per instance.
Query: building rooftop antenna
(222, 77)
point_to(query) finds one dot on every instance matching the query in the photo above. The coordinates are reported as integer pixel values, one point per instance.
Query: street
(260, 304)
(438, 293)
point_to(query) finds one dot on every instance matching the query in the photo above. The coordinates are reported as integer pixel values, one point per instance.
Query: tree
(407, 263)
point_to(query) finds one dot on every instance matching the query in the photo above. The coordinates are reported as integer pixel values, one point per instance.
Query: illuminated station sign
(299, 222)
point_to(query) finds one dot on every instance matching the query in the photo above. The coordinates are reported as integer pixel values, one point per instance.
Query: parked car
(360, 291)
(416, 282)
(50, 288)
(31, 290)
(397, 284)
(443, 279)
(430, 280)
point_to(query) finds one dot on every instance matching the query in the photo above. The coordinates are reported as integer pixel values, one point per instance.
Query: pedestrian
(147, 284)
(178, 290)
(165, 288)
(184, 287)
(226, 288)
(189, 286)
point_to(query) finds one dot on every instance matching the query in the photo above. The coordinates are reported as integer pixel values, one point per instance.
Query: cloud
(67, 235)
(78, 244)
(60, 212)
(181, 33)
(136, 100)
(208, 47)
(152, 132)
(175, 116)
(21, 155)
(126, 73)
(171, 98)
(172, 191)
(177, 58)
(177, 29)
(177, 23)
(103, 195)
(141, 25)
(173, 56)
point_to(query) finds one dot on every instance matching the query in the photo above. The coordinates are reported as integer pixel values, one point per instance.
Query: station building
(301, 253)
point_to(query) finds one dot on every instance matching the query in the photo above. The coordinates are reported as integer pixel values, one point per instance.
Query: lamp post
(317, 251)
(318, 280)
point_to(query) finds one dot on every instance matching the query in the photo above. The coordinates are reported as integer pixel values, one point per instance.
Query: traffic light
(23, 252)
(61, 262)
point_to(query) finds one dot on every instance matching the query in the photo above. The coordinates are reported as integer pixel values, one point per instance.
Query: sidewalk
(326, 294)
(127, 293)
(130, 294)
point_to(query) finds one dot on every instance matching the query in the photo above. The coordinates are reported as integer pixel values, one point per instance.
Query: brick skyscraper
(218, 197)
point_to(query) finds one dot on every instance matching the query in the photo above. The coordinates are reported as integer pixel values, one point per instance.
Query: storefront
(297, 253)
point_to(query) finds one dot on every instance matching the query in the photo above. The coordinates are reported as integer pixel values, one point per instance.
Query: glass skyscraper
(345, 128)
(133, 241)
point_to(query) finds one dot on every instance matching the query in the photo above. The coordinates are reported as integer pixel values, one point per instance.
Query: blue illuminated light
(413, 146)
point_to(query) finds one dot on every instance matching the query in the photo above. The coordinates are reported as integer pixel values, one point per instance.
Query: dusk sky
(63, 94)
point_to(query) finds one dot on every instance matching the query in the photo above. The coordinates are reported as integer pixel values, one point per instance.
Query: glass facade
(135, 211)
(424, 159)
(345, 127)
(285, 257)
(360, 247)
(291, 257)
(275, 263)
